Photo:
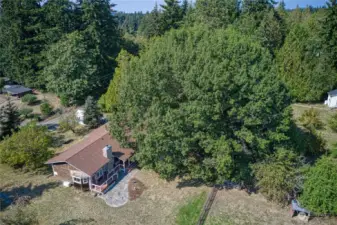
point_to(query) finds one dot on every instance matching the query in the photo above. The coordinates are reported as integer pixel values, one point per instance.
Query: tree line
(66, 47)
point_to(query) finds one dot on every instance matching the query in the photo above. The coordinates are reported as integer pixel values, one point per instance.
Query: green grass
(189, 213)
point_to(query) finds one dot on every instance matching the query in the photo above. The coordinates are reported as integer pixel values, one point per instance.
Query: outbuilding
(331, 102)
(16, 90)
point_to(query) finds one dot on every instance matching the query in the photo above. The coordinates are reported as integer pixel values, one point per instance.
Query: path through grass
(189, 213)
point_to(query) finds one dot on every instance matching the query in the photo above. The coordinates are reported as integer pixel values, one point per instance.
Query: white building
(332, 99)
(80, 116)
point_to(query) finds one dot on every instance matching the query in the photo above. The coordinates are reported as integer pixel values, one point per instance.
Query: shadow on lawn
(190, 183)
(78, 221)
(9, 197)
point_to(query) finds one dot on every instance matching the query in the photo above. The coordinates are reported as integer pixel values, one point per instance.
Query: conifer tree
(150, 25)
(172, 15)
(92, 114)
(9, 119)
(330, 31)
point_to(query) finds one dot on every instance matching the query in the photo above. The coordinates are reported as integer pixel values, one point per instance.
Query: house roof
(333, 93)
(87, 155)
(16, 89)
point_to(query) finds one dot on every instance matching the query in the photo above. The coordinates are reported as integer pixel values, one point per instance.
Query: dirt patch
(136, 189)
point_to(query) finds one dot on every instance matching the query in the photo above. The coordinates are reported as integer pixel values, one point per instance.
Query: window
(85, 180)
(76, 180)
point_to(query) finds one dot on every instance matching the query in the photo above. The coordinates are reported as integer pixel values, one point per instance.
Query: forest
(205, 89)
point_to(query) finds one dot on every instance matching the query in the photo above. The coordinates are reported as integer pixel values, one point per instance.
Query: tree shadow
(78, 221)
(8, 197)
(190, 183)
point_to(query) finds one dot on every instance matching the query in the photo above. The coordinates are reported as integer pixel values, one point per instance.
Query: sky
(147, 5)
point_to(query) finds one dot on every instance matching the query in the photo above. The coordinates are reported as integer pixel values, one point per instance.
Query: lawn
(189, 213)
(324, 114)
(54, 204)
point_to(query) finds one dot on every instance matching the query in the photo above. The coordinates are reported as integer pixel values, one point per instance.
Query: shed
(16, 90)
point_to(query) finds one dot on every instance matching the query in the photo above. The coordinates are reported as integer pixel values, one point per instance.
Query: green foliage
(310, 119)
(9, 119)
(172, 15)
(129, 22)
(333, 122)
(150, 24)
(30, 99)
(2, 83)
(25, 112)
(92, 114)
(329, 32)
(320, 192)
(70, 71)
(303, 65)
(46, 108)
(68, 122)
(189, 213)
(64, 99)
(109, 99)
(27, 148)
(199, 102)
(18, 216)
(217, 13)
(277, 175)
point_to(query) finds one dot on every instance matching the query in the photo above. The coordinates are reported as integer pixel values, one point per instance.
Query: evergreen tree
(217, 13)
(257, 6)
(9, 119)
(92, 114)
(21, 22)
(150, 24)
(172, 15)
(330, 31)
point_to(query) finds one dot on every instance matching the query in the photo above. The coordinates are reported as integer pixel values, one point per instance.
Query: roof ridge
(93, 142)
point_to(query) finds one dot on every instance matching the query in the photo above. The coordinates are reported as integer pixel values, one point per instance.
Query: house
(16, 90)
(332, 99)
(95, 163)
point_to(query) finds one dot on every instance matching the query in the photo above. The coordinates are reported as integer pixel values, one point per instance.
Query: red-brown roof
(87, 155)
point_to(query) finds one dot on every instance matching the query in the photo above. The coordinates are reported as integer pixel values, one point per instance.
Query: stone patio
(119, 194)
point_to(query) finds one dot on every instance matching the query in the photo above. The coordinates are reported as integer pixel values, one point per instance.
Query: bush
(28, 148)
(320, 192)
(46, 109)
(333, 122)
(25, 112)
(277, 175)
(30, 99)
(310, 119)
(65, 101)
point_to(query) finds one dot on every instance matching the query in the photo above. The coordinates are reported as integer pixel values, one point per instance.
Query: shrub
(320, 192)
(46, 109)
(30, 99)
(65, 101)
(310, 119)
(333, 122)
(28, 148)
(277, 175)
(25, 112)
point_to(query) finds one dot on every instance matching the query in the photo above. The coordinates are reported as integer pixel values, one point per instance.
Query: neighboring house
(332, 99)
(16, 90)
(94, 163)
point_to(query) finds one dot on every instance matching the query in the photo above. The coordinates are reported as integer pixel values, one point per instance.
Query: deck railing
(106, 184)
